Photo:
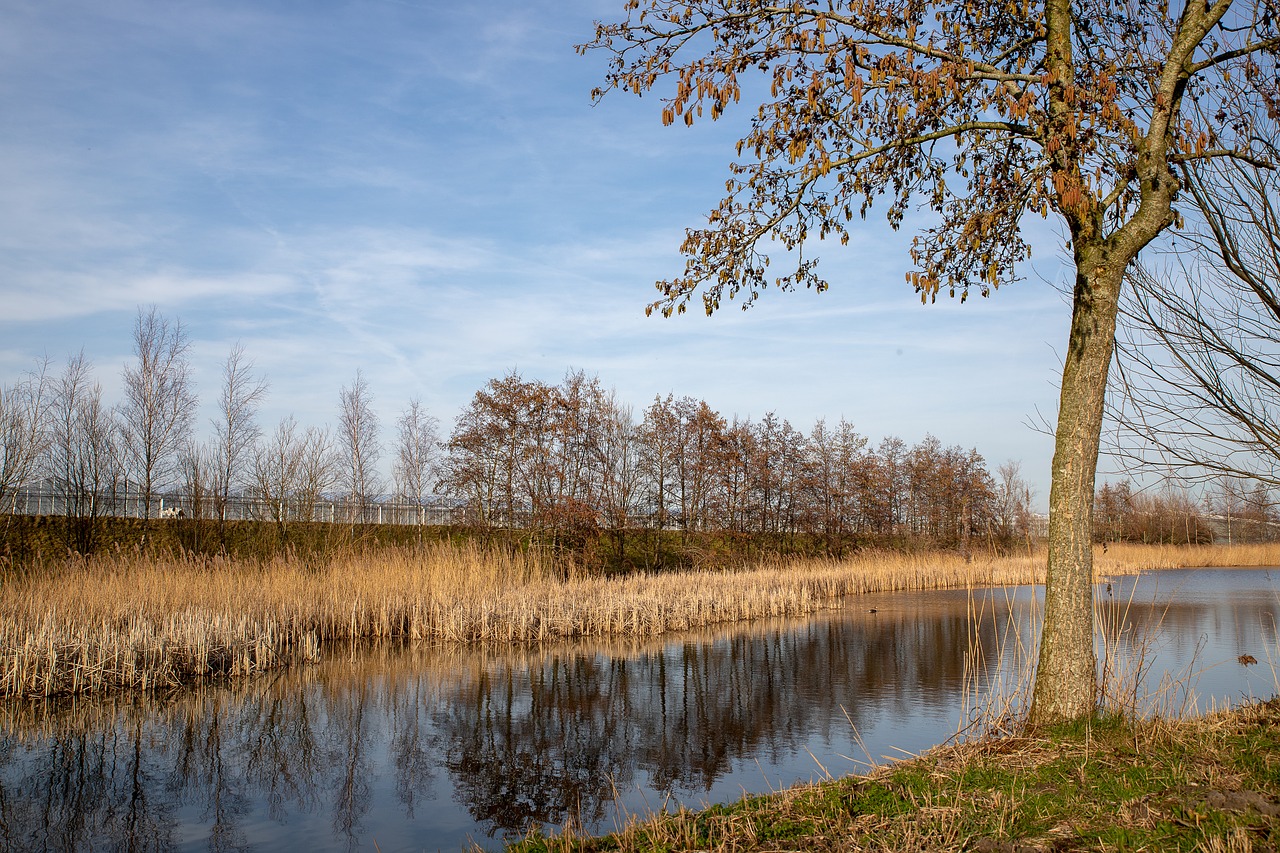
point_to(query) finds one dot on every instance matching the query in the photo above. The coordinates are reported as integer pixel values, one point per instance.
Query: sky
(425, 192)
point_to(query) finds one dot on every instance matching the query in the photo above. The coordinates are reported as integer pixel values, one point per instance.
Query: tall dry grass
(132, 622)
(128, 621)
(1131, 558)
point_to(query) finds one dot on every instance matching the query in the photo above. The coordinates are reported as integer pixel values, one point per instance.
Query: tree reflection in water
(423, 748)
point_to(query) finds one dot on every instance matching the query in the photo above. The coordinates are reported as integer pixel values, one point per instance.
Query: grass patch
(1210, 783)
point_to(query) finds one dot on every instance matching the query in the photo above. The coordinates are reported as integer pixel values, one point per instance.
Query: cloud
(59, 296)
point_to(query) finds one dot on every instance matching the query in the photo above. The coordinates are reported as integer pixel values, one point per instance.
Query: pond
(403, 748)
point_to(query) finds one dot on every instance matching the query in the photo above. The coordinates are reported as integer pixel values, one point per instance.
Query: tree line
(571, 457)
(1232, 510)
(567, 463)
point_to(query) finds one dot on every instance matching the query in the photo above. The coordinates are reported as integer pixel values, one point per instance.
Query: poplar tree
(360, 446)
(159, 402)
(236, 427)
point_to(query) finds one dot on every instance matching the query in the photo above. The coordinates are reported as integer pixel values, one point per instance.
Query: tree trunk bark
(1066, 680)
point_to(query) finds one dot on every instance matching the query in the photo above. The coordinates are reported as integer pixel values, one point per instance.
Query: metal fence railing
(120, 503)
(46, 500)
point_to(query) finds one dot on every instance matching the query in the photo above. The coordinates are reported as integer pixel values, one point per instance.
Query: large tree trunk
(1065, 686)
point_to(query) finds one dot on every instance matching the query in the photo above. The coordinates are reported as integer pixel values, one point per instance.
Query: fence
(122, 503)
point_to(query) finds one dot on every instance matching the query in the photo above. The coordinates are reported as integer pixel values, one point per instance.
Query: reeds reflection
(424, 748)
(1180, 637)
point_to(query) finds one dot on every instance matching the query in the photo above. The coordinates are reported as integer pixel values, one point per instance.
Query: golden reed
(127, 621)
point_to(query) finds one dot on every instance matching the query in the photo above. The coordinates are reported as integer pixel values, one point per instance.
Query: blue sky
(424, 191)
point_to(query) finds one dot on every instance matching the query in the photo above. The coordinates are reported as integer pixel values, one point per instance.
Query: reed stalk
(133, 622)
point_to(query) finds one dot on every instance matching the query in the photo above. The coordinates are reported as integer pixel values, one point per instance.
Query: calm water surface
(418, 749)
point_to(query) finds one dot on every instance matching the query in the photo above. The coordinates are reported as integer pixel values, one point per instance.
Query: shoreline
(1209, 783)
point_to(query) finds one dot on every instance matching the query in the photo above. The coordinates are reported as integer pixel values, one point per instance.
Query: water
(419, 749)
(1190, 628)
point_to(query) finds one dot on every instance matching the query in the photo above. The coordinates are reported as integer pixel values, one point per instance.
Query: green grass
(1204, 784)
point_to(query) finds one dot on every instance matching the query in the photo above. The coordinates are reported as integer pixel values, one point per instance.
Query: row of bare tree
(1234, 511)
(567, 460)
(1123, 514)
(531, 455)
(58, 428)
(58, 432)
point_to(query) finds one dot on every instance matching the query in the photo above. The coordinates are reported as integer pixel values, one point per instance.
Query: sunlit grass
(1208, 783)
(130, 621)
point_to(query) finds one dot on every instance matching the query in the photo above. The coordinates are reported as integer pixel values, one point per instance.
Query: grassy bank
(33, 543)
(1206, 784)
(132, 621)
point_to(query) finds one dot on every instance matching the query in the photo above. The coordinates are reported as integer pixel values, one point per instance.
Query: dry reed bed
(391, 672)
(1129, 558)
(127, 622)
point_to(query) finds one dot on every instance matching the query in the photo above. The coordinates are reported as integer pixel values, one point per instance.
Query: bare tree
(616, 450)
(24, 432)
(83, 451)
(499, 452)
(473, 470)
(236, 428)
(734, 467)
(950, 493)
(359, 445)
(833, 462)
(291, 472)
(1112, 506)
(318, 471)
(1012, 505)
(275, 474)
(774, 474)
(159, 403)
(1199, 356)
(660, 448)
(198, 468)
(417, 453)
(886, 491)
(704, 430)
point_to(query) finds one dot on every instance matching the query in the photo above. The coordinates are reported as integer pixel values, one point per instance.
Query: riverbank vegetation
(1208, 783)
(129, 622)
(137, 622)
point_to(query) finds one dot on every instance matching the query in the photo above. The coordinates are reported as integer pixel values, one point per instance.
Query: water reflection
(544, 743)
(1190, 628)
(424, 749)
